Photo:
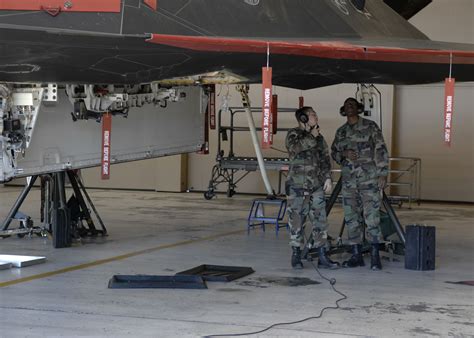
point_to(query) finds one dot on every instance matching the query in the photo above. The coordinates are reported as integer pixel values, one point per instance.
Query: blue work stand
(257, 215)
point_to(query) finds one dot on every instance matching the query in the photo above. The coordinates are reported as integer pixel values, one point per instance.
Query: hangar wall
(418, 119)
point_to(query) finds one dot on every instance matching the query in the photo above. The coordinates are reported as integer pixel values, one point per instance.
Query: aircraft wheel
(209, 194)
(230, 192)
(61, 231)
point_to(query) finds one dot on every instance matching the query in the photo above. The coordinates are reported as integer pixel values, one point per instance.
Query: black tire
(230, 192)
(61, 231)
(209, 195)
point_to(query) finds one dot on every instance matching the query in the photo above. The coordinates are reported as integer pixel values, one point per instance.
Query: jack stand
(83, 213)
(60, 217)
(308, 250)
(26, 223)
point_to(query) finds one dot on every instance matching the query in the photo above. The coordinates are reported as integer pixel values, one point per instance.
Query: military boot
(324, 261)
(296, 262)
(356, 258)
(375, 263)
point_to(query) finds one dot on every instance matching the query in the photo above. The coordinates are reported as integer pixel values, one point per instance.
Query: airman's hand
(327, 186)
(315, 131)
(382, 182)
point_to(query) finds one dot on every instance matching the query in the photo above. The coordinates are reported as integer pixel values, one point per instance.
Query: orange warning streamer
(267, 129)
(106, 142)
(448, 109)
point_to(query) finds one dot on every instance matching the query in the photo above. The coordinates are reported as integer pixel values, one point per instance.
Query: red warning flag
(267, 129)
(448, 110)
(106, 138)
(301, 102)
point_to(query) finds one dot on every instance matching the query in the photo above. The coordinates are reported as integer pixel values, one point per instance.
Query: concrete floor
(183, 231)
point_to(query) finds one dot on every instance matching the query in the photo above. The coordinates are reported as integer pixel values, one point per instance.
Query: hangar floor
(68, 295)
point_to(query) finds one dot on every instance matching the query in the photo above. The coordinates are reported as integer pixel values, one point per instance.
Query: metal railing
(405, 177)
(404, 180)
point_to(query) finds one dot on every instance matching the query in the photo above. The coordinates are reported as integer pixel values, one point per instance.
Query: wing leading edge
(324, 49)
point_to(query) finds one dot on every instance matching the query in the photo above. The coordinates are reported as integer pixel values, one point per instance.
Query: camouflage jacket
(365, 138)
(310, 164)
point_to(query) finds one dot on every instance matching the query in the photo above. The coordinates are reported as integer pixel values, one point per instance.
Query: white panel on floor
(22, 261)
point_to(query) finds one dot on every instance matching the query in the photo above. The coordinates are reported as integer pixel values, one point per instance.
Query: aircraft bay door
(149, 131)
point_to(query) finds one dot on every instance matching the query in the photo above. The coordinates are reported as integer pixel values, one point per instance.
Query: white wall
(447, 20)
(447, 173)
(160, 174)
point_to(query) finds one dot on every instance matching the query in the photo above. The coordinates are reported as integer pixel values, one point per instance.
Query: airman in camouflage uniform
(360, 149)
(309, 176)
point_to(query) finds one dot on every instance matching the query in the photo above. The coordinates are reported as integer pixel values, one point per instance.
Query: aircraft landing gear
(61, 217)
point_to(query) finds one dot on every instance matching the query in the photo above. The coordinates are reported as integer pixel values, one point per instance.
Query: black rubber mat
(156, 282)
(218, 273)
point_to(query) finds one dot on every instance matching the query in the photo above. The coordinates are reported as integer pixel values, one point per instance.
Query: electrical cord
(331, 281)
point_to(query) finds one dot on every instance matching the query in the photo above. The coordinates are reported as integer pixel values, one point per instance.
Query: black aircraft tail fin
(407, 8)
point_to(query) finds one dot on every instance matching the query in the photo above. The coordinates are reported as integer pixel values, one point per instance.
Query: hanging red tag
(301, 103)
(211, 106)
(448, 110)
(106, 138)
(267, 129)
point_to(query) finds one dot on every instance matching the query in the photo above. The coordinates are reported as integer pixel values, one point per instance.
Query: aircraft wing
(60, 56)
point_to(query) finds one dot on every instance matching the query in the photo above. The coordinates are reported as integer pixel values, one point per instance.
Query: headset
(360, 107)
(301, 115)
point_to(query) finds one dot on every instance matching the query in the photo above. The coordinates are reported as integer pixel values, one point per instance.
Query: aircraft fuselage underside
(46, 128)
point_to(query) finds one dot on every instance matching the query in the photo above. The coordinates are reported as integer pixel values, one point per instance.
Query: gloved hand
(382, 182)
(327, 186)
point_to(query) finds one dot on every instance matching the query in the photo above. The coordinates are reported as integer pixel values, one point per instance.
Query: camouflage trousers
(361, 202)
(307, 209)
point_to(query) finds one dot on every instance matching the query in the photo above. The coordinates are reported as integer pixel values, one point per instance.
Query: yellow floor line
(113, 259)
